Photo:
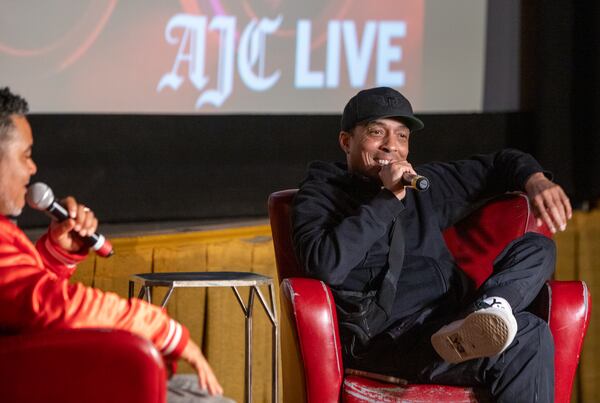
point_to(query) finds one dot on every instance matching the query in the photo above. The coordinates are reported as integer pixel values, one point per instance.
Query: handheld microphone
(417, 182)
(40, 197)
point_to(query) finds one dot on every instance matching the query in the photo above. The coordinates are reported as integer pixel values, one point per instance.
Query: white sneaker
(483, 333)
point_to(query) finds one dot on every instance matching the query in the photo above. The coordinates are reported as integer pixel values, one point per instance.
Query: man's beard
(11, 209)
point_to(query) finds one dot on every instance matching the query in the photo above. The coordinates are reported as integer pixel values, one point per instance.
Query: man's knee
(545, 248)
(545, 244)
(530, 250)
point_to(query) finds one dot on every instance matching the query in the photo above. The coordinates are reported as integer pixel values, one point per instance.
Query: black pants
(524, 372)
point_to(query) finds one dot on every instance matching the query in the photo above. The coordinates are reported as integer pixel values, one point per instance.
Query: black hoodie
(342, 223)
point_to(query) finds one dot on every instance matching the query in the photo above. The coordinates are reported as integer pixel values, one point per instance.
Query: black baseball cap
(376, 103)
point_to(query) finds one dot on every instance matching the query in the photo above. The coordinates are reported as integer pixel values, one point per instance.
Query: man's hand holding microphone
(396, 176)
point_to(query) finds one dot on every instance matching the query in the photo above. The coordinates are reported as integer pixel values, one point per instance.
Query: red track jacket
(35, 295)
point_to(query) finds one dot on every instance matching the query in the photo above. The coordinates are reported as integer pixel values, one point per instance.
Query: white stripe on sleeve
(173, 337)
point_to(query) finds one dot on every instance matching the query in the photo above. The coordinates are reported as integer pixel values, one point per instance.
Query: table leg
(275, 346)
(148, 291)
(248, 381)
(130, 288)
(167, 296)
(271, 312)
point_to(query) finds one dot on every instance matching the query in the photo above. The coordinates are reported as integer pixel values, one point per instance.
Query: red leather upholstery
(280, 214)
(479, 238)
(84, 365)
(569, 306)
(361, 390)
(475, 242)
(312, 303)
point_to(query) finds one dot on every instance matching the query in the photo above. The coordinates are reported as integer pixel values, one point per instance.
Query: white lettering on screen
(377, 36)
(252, 51)
(226, 25)
(359, 54)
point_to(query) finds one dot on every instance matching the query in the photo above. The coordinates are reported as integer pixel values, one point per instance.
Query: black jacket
(342, 223)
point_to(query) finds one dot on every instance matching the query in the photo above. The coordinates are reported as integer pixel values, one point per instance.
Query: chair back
(280, 214)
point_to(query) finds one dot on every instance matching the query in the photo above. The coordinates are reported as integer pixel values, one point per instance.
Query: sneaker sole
(480, 335)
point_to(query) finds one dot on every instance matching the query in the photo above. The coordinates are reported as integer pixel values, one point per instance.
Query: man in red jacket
(34, 289)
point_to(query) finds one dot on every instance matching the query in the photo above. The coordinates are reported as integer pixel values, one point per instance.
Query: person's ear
(344, 139)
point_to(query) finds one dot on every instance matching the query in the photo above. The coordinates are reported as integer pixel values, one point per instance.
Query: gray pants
(185, 389)
(522, 373)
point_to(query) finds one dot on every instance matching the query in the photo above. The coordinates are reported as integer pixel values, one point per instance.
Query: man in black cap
(404, 307)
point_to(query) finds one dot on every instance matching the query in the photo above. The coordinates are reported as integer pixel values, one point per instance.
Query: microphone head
(39, 196)
(422, 184)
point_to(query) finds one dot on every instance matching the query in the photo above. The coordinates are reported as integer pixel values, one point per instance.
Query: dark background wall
(148, 168)
(133, 168)
(560, 68)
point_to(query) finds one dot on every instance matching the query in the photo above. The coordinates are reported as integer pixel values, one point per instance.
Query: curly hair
(10, 104)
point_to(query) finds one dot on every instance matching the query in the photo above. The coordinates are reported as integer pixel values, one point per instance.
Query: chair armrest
(309, 307)
(81, 365)
(570, 306)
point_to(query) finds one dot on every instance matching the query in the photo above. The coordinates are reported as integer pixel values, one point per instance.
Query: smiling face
(16, 166)
(373, 144)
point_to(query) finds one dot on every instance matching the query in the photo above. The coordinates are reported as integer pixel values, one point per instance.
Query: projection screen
(241, 56)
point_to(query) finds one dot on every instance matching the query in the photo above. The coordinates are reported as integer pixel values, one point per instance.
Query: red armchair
(84, 365)
(311, 353)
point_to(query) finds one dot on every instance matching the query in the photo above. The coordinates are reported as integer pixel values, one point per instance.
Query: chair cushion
(362, 390)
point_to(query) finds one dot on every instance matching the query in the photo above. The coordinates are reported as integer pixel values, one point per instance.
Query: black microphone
(417, 182)
(41, 197)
